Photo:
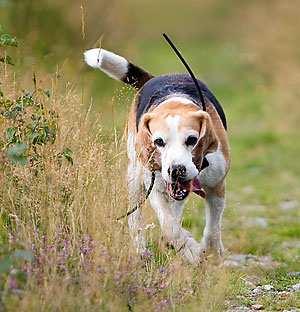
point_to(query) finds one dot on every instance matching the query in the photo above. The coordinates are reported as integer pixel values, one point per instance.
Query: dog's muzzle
(180, 187)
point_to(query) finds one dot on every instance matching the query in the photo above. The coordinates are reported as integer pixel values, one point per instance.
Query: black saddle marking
(157, 89)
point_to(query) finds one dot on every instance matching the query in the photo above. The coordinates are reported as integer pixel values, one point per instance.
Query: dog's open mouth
(180, 189)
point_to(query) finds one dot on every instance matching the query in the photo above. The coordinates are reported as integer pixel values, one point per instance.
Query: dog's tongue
(180, 190)
(197, 189)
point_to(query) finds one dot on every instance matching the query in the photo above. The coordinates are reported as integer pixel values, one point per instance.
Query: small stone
(241, 260)
(294, 274)
(289, 205)
(240, 309)
(267, 287)
(257, 306)
(257, 291)
(296, 287)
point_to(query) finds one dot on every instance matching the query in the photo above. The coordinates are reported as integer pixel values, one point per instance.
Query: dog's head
(174, 138)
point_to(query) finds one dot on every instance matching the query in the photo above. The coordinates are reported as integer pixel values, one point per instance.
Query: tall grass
(65, 214)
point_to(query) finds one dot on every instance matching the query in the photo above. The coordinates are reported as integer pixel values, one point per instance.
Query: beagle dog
(185, 148)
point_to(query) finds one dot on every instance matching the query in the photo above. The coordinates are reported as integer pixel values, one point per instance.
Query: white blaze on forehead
(173, 124)
(173, 133)
(176, 152)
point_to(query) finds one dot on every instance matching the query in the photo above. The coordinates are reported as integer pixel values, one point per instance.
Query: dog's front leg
(215, 203)
(169, 215)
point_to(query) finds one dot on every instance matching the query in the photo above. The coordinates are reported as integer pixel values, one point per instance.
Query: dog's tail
(117, 67)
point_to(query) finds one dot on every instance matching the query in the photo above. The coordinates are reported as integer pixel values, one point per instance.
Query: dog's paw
(193, 252)
(213, 244)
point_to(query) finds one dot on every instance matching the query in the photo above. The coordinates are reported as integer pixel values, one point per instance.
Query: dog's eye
(159, 142)
(191, 140)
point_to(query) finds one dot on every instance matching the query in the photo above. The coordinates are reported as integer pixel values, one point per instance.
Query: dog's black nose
(177, 171)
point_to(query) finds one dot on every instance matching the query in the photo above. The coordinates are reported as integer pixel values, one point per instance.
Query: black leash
(188, 69)
(147, 195)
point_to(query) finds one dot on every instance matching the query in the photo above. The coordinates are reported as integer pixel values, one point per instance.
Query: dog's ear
(207, 141)
(146, 150)
(203, 119)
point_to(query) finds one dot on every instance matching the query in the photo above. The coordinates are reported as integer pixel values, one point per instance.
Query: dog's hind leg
(213, 181)
(135, 195)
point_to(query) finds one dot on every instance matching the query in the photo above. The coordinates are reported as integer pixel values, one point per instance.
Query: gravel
(243, 260)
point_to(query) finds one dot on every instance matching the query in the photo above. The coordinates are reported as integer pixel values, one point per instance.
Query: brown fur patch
(146, 150)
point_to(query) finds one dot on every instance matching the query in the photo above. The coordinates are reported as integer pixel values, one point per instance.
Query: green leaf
(21, 277)
(7, 261)
(8, 40)
(16, 154)
(10, 135)
(5, 264)
(67, 153)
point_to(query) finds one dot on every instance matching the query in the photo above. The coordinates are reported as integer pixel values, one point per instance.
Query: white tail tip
(112, 64)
